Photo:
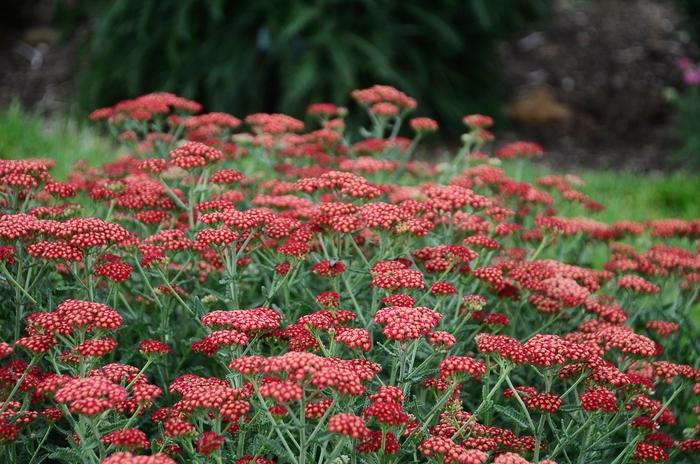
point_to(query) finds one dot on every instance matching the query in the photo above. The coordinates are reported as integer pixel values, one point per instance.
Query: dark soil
(36, 64)
(590, 82)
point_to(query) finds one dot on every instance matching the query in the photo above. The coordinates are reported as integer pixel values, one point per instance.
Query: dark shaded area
(587, 80)
(268, 55)
(590, 83)
(244, 57)
(37, 64)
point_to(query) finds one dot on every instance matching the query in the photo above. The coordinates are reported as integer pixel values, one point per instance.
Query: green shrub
(275, 55)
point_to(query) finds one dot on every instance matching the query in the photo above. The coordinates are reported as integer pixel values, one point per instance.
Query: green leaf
(301, 17)
(342, 61)
(482, 13)
(67, 455)
(263, 444)
(379, 62)
(300, 82)
(437, 26)
(512, 414)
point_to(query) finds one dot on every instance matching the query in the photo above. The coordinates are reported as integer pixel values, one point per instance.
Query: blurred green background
(271, 55)
(266, 55)
(244, 57)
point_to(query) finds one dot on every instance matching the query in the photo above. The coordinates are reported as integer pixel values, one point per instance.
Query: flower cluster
(260, 290)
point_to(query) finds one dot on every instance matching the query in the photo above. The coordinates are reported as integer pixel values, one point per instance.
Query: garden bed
(272, 290)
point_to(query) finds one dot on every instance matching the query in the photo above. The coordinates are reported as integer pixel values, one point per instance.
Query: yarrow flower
(348, 424)
(545, 402)
(423, 125)
(125, 457)
(520, 149)
(208, 443)
(455, 365)
(154, 347)
(450, 451)
(194, 154)
(647, 452)
(394, 275)
(116, 272)
(129, 439)
(407, 323)
(91, 396)
(599, 398)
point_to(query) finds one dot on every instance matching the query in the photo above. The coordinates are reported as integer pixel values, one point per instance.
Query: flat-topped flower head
(348, 425)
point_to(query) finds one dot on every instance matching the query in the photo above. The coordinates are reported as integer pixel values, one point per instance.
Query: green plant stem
(40, 446)
(568, 438)
(505, 370)
(275, 426)
(336, 450)
(524, 408)
(19, 287)
(26, 372)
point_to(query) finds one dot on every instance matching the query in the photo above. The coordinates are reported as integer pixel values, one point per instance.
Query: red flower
(154, 347)
(97, 348)
(194, 154)
(637, 284)
(441, 339)
(328, 299)
(124, 457)
(478, 121)
(91, 396)
(373, 443)
(383, 93)
(37, 343)
(385, 109)
(545, 402)
(650, 453)
(599, 398)
(424, 125)
(209, 442)
(244, 320)
(520, 149)
(219, 339)
(406, 323)
(130, 439)
(451, 452)
(348, 424)
(282, 391)
(323, 110)
(442, 288)
(453, 365)
(354, 338)
(663, 328)
(5, 350)
(328, 268)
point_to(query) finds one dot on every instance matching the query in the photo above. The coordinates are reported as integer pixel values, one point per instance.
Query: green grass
(645, 197)
(634, 196)
(23, 135)
(626, 195)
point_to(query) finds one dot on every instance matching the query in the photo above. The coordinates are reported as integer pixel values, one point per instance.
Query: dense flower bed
(258, 292)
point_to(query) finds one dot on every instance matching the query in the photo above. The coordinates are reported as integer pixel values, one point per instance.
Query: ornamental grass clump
(270, 290)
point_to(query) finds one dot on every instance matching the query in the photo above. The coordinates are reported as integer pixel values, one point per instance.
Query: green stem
(40, 445)
(26, 372)
(11, 279)
(539, 249)
(505, 370)
(523, 406)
